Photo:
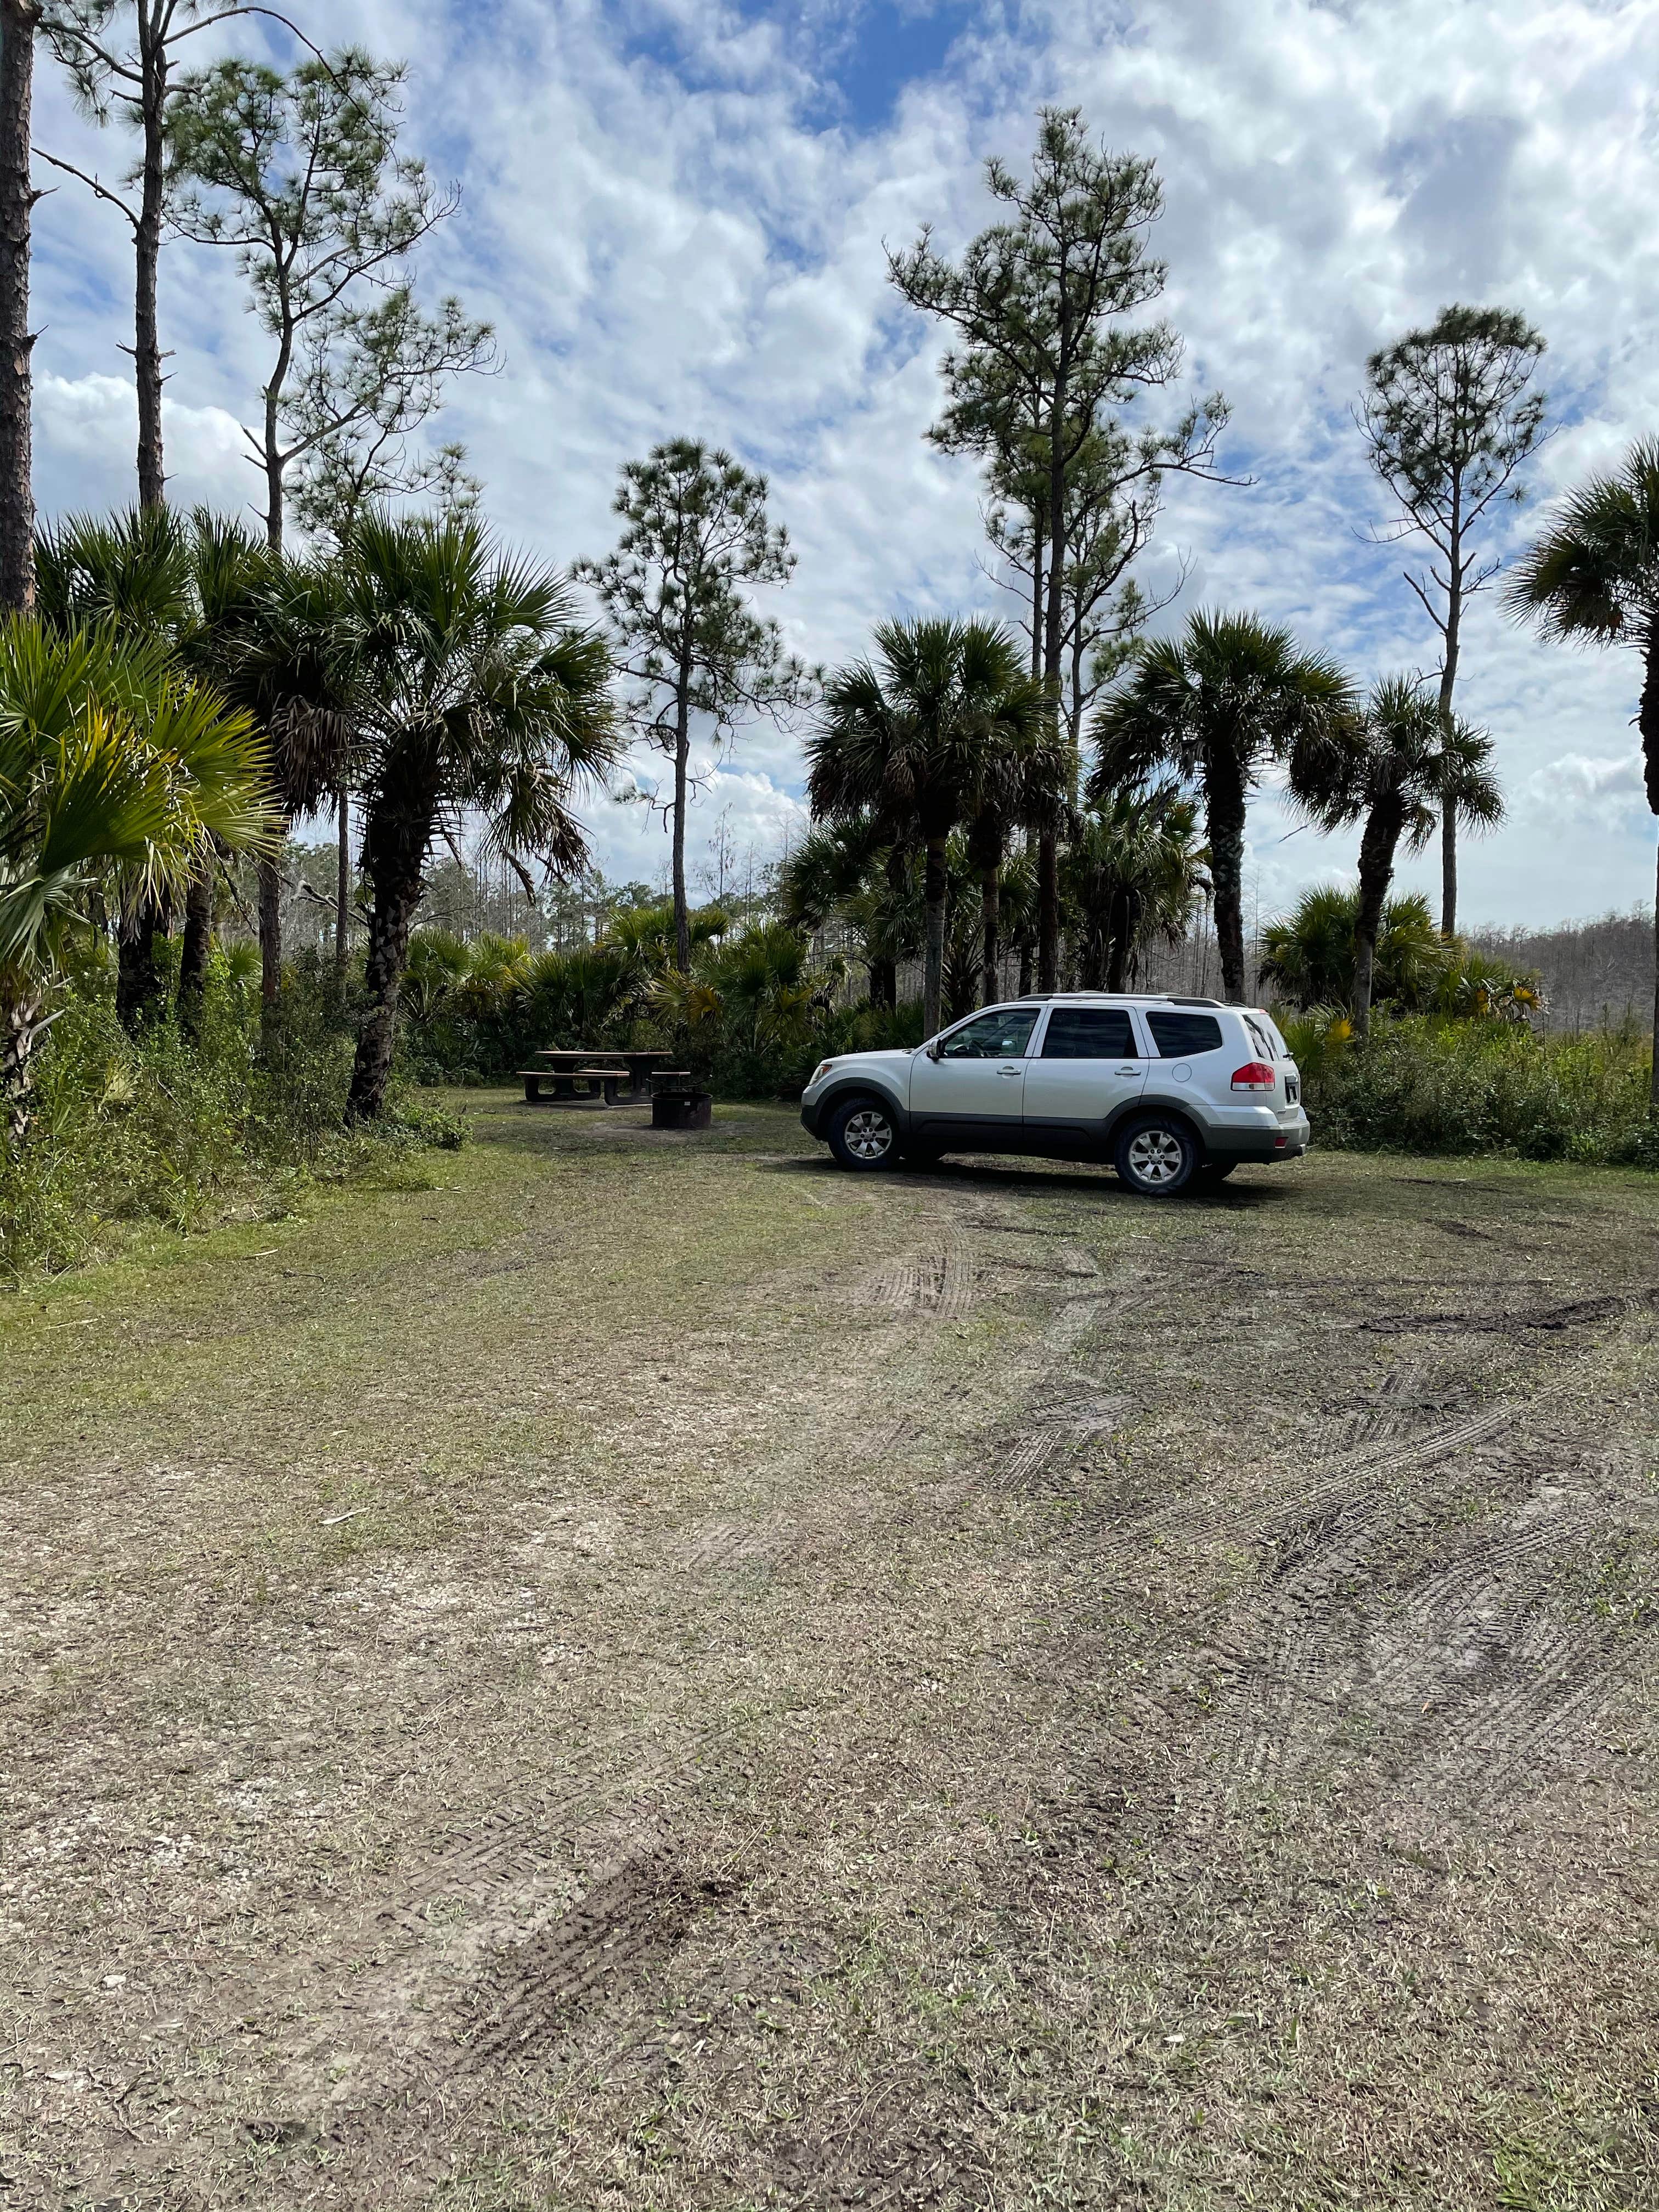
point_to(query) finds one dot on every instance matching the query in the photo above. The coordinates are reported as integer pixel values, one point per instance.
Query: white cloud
(672, 236)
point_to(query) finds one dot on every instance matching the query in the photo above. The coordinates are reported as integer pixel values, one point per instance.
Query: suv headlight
(820, 1071)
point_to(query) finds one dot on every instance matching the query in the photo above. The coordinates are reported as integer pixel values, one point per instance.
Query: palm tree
(1308, 955)
(1399, 768)
(907, 738)
(472, 692)
(116, 775)
(1216, 705)
(1594, 578)
(1133, 871)
(852, 872)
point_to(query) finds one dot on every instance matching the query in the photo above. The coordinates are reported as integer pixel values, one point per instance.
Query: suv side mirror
(936, 1050)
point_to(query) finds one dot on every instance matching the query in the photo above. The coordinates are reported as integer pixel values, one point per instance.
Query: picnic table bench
(599, 1086)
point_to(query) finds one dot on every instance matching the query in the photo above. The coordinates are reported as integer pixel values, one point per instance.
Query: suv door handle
(1018, 1068)
(1133, 1068)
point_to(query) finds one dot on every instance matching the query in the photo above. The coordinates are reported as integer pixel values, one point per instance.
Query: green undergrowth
(1424, 1084)
(163, 1130)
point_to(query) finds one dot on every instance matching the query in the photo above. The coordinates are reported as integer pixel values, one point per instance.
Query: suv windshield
(1002, 1034)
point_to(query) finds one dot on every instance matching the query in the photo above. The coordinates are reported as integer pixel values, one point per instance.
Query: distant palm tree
(1594, 577)
(117, 775)
(1397, 769)
(1024, 784)
(855, 871)
(1216, 705)
(1133, 871)
(909, 738)
(472, 692)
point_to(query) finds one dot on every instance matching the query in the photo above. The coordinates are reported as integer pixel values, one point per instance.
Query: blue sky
(675, 211)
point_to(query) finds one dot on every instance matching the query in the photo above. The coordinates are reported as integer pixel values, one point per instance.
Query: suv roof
(1117, 999)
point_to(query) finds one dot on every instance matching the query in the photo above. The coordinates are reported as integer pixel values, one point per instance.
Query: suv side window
(1003, 1034)
(1089, 1033)
(1179, 1036)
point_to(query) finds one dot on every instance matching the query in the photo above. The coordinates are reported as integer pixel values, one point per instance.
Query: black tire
(863, 1135)
(1157, 1155)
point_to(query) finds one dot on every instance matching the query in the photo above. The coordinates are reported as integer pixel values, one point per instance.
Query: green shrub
(165, 1130)
(1427, 1084)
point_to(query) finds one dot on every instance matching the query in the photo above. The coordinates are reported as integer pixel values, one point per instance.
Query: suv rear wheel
(861, 1135)
(1157, 1155)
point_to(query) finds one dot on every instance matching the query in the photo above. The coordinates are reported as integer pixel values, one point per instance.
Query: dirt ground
(642, 1672)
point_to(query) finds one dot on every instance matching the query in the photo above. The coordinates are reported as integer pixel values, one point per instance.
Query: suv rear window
(1089, 1033)
(1178, 1037)
(1262, 1042)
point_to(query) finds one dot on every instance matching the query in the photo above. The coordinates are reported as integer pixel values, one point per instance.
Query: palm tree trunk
(1377, 850)
(990, 904)
(883, 983)
(343, 887)
(396, 836)
(138, 987)
(19, 1025)
(935, 889)
(1117, 966)
(19, 20)
(1224, 795)
(193, 957)
(270, 945)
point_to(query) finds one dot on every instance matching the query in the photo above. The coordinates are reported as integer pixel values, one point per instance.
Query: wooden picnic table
(640, 1066)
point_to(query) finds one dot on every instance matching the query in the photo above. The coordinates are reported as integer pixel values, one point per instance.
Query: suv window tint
(1178, 1036)
(1262, 1042)
(1089, 1033)
(1002, 1035)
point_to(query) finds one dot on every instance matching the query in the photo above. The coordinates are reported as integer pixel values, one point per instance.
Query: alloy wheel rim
(867, 1135)
(1155, 1157)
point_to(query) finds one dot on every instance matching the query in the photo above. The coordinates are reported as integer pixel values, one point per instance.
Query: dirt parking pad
(653, 1673)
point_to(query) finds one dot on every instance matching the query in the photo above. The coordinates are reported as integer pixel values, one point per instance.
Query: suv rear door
(1088, 1061)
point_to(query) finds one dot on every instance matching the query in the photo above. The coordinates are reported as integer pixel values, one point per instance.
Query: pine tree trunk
(395, 842)
(1647, 721)
(147, 244)
(1224, 793)
(193, 957)
(19, 1025)
(1448, 685)
(18, 21)
(936, 886)
(1047, 909)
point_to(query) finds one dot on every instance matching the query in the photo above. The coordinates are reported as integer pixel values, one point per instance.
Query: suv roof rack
(1176, 999)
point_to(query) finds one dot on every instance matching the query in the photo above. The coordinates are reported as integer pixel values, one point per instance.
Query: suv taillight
(1255, 1075)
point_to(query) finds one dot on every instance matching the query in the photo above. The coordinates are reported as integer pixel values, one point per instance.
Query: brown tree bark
(193, 956)
(1377, 850)
(990, 903)
(1224, 805)
(139, 992)
(936, 886)
(271, 944)
(395, 842)
(19, 21)
(343, 887)
(1647, 721)
(1448, 685)
(146, 254)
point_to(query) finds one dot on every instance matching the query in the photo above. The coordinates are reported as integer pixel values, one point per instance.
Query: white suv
(1165, 1088)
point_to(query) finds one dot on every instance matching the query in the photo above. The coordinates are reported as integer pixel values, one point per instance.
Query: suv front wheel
(1157, 1155)
(861, 1135)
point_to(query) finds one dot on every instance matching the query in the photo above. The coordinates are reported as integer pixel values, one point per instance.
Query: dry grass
(650, 1674)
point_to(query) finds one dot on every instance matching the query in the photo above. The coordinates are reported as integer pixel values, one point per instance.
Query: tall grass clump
(1428, 1083)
